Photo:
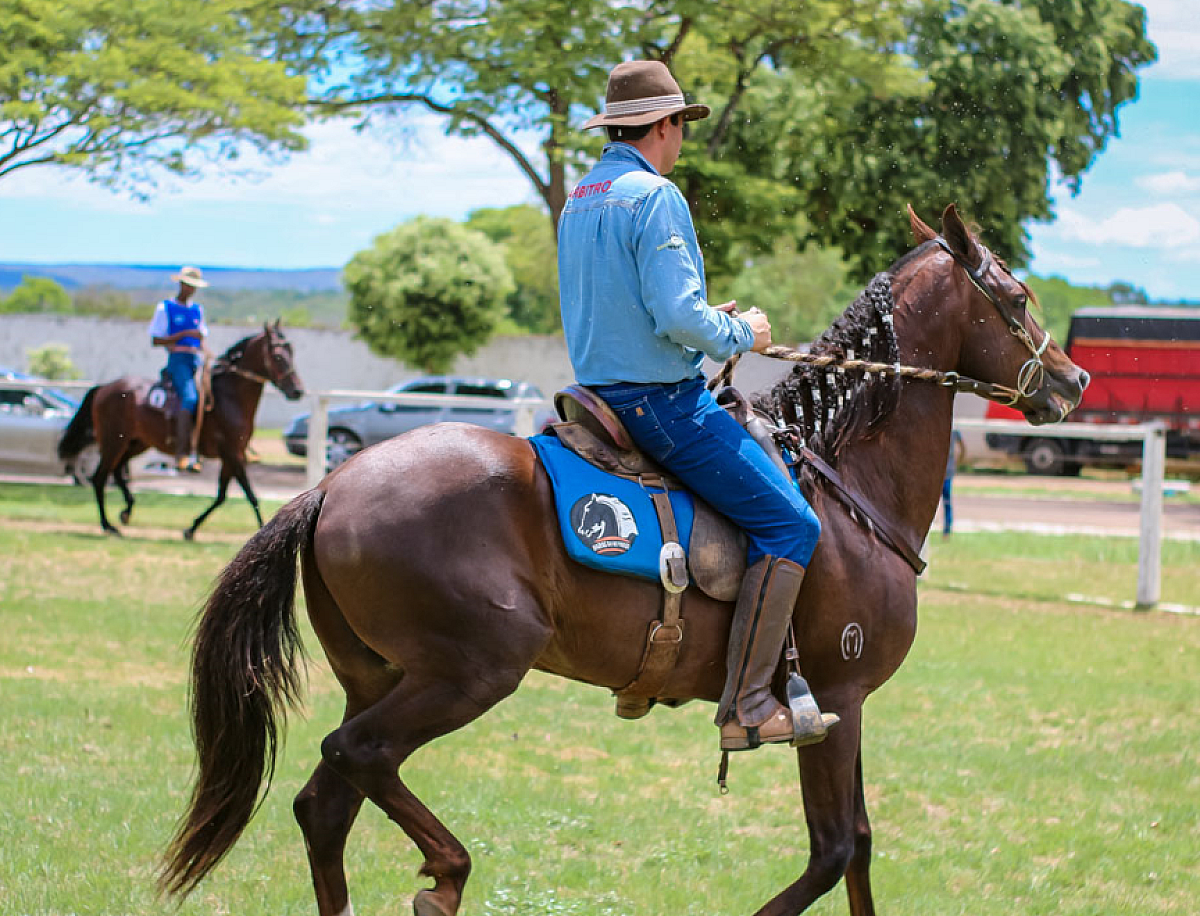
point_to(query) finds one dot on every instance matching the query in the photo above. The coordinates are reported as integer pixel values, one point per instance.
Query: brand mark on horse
(852, 641)
(604, 523)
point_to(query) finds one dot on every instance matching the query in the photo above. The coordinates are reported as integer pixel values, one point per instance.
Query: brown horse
(436, 578)
(118, 418)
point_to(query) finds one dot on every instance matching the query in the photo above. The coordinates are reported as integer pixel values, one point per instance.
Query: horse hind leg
(325, 809)
(121, 475)
(108, 464)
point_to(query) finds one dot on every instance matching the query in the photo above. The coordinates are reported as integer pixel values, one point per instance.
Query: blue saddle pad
(608, 522)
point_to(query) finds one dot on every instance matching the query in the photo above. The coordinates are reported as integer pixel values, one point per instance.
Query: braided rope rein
(1000, 393)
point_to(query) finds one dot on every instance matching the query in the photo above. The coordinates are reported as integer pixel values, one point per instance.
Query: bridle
(1030, 378)
(274, 357)
(1032, 375)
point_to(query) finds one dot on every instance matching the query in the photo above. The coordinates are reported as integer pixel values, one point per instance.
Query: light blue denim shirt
(631, 279)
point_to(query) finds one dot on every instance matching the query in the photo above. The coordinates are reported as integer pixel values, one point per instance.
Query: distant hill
(148, 276)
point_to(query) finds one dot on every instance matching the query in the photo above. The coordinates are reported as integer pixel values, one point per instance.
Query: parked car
(32, 419)
(354, 427)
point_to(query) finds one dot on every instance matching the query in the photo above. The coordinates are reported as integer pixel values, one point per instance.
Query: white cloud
(1174, 27)
(342, 172)
(1159, 226)
(1169, 183)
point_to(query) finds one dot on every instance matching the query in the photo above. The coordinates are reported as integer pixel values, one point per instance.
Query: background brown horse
(118, 418)
(436, 579)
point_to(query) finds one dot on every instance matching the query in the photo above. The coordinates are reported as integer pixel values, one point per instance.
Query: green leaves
(427, 291)
(124, 89)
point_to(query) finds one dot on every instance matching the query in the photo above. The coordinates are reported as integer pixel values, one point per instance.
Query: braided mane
(831, 406)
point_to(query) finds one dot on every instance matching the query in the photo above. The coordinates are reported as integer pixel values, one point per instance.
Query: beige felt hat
(642, 92)
(190, 276)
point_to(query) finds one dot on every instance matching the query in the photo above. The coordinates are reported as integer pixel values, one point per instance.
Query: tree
(51, 361)
(1016, 92)
(843, 112)
(530, 253)
(506, 69)
(427, 291)
(801, 286)
(120, 89)
(37, 294)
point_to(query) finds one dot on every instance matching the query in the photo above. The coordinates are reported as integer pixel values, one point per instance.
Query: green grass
(1031, 756)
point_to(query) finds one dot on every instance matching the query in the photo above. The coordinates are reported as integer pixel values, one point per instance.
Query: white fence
(1153, 437)
(318, 420)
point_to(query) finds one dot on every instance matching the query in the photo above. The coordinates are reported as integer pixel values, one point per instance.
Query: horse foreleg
(368, 750)
(827, 778)
(858, 874)
(243, 479)
(222, 487)
(325, 810)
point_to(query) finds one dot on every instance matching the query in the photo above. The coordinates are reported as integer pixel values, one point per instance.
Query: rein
(1030, 378)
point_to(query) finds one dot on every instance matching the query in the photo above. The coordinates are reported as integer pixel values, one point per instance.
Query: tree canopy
(37, 294)
(121, 89)
(530, 252)
(427, 291)
(839, 112)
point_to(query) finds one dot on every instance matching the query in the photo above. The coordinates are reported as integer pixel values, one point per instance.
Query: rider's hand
(757, 319)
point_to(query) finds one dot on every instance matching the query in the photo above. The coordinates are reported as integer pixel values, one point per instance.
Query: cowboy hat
(642, 92)
(190, 276)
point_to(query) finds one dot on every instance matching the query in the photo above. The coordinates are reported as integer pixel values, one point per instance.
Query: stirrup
(810, 724)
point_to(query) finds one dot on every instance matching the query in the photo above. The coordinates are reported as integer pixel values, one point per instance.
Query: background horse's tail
(79, 431)
(245, 675)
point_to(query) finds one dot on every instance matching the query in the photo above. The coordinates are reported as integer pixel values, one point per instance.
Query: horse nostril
(1085, 379)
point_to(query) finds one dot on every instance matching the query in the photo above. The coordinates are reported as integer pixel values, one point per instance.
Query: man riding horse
(638, 324)
(178, 325)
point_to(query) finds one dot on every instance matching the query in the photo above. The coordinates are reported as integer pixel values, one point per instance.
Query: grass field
(1031, 756)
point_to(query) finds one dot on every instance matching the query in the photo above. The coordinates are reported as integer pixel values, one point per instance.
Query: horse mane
(831, 406)
(236, 351)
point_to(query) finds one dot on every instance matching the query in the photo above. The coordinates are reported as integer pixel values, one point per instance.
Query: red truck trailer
(1145, 365)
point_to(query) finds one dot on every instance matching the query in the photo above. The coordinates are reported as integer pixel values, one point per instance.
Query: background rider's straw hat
(190, 276)
(642, 92)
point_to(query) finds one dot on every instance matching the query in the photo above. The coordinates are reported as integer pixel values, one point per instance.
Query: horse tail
(245, 676)
(79, 431)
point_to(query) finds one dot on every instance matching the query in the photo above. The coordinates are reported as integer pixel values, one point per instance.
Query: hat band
(641, 106)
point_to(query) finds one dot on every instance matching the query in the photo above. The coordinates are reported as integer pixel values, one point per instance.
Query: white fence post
(318, 429)
(1154, 459)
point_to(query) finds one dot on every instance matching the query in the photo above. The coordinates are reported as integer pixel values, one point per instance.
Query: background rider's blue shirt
(631, 279)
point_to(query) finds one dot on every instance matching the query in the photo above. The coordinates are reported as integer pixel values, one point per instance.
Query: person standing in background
(958, 452)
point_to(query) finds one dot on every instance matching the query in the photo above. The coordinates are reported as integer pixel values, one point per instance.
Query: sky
(1136, 219)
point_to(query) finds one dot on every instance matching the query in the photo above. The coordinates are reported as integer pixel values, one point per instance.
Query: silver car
(354, 427)
(32, 418)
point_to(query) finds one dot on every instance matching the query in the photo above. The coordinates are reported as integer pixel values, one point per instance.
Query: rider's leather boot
(183, 442)
(749, 714)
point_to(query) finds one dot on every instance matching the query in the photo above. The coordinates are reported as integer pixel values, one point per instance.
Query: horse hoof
(109, 529)
(190, 534)
(426, 903)
(125, 517)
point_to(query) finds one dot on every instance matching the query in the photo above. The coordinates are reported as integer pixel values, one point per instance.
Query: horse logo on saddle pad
(604, 523)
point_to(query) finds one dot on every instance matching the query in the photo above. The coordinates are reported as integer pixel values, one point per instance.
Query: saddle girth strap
(666, 633)
(887, 533)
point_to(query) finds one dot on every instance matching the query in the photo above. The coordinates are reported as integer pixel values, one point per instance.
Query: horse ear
(278, 323)
(920, 230)
(957, 235)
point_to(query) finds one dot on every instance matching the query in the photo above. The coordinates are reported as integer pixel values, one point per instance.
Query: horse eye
(1020, 300)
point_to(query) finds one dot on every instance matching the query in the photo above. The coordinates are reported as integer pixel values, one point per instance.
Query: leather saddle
(716, 552)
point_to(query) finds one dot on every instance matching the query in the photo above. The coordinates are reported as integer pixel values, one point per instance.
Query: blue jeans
(683, 428)
(181, 367)
(947, 506)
